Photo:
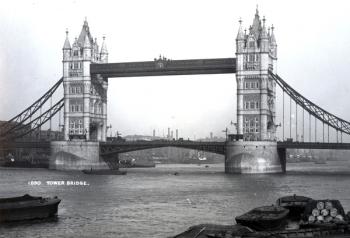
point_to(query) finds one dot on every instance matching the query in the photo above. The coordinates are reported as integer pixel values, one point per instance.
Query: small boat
(104, 172)
(27, 207)
(295, 204)
(264, 218)
(321, 218)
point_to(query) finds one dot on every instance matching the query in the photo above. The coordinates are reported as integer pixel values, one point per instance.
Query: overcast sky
(313, 40)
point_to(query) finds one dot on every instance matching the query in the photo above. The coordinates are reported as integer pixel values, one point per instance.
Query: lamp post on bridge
(279, 125)
(226, 132)
(235, 125)
(109, 127)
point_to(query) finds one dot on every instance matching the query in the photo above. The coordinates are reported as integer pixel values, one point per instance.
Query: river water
(155, 203)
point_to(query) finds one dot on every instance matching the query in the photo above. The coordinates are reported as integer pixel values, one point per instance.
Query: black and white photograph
(174, 119)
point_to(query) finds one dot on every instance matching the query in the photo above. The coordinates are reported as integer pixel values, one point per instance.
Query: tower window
(257, 105)
(75, 53)
(252, 105)
(251, 44)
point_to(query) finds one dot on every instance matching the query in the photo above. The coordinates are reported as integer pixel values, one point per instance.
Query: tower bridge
(86, 73)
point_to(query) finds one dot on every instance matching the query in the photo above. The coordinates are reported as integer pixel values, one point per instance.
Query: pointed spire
(263, 31)
(66, 45)
(240, 35)
(256, 26)
(104, 46)
(272, 37)
(87, 43)
(85, 31)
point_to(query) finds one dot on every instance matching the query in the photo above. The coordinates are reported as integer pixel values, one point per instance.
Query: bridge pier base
(76, 155)
(250, 157)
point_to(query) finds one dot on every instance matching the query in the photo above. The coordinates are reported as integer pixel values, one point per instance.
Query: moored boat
(104, 172)
(27, 207)
(321, 218)
(263, 218)
(295, 204)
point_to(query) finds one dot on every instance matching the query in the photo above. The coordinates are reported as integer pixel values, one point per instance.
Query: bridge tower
(85, 97)
(85, 105)
(256, 55)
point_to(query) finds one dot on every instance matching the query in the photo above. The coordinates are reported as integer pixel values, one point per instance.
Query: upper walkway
(163, 66)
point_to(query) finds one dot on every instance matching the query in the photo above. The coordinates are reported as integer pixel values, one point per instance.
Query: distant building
(142, 138)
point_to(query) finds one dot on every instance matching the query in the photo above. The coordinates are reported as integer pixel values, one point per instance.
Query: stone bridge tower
(256, 52)
(85, 97)
(256, 55)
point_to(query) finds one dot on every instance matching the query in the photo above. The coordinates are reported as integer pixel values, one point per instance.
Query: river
(155, 203)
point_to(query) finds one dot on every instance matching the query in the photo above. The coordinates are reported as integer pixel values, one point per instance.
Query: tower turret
(104, 51)
(273, 44)
(87, 48)
(240, 38)
(264, 39)
(66, 48)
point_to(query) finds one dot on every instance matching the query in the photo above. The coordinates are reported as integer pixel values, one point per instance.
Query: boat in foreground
(264, 218)
(104, 172)
(27, 207)
(295, 204)
(310, 218)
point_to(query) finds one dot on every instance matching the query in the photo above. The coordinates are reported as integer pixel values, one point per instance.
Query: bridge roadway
(109, 148)
(164, 66)
(24, 144)
(313, 145)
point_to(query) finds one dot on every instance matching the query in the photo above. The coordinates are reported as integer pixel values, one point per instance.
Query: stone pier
(251, 157)
(75, 155)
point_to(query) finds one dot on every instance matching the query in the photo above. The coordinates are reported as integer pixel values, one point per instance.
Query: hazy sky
(313, 40)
